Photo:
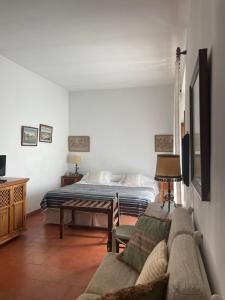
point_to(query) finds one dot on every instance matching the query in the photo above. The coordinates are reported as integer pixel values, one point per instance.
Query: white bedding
(132, 180)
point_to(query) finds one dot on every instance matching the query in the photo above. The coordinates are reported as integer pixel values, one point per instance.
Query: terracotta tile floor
(40, 266)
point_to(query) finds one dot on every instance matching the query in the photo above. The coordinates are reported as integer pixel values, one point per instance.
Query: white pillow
(132, 180)
(147, 180)
(116, 178)
(139, 180)
(150, 182)
(83, 179)
(99, 177)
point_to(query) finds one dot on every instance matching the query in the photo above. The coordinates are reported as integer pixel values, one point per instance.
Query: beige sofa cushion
(111, 276)
(155, 265)
(181, 223)
(88, 297)
(185, 281)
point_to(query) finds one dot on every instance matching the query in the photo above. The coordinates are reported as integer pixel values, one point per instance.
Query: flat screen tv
(2, 165)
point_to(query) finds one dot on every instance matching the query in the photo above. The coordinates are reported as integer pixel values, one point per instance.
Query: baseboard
(34, 212)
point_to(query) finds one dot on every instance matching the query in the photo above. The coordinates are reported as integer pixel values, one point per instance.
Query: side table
(70, 179)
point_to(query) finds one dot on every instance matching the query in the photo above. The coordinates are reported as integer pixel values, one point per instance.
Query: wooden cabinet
(12, 208)
(70, 179)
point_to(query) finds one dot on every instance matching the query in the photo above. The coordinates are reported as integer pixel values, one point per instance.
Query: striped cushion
(155, 265)
(148, 232)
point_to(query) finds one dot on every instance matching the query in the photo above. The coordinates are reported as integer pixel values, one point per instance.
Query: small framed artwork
(45, 133)
(29, 136)
(163, 143)
(79, 143)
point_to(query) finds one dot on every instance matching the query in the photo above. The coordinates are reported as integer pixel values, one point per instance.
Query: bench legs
(110, 223)
(61, 223)
(109, 242)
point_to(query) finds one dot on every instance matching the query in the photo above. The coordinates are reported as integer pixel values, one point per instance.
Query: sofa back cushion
(185, 280)
(154, 209)
(181, 223)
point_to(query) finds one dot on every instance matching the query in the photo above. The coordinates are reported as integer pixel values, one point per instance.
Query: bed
(133, 200)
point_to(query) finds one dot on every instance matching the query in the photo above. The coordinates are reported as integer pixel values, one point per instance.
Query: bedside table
(70, 179)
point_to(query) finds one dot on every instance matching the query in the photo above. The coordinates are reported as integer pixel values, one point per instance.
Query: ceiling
(95, 44)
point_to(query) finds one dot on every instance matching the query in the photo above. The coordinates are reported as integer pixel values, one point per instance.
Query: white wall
(121, 124)
(207, 23)
(28, 99)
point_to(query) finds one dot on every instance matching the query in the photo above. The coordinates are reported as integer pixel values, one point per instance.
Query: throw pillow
(155, 290)
(155, 265)
(131, 180)
(99, 177)
(149, 231)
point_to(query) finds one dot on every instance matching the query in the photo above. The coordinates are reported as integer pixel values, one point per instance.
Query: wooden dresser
(12, 208)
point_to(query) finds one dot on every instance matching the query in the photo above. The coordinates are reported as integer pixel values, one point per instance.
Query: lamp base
(76, 170)
(169, 198)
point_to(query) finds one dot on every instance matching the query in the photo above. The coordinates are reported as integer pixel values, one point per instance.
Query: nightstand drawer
(67, 180)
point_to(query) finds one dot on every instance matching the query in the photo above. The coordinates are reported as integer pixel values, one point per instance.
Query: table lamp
(168, 170)
(75, 159)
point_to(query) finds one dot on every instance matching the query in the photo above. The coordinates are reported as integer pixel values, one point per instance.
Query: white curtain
(176, 127)
(176, 120)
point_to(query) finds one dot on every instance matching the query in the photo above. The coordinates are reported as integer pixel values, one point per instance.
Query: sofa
(187, 279)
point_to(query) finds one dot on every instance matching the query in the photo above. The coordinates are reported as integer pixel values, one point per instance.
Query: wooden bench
(108, 207)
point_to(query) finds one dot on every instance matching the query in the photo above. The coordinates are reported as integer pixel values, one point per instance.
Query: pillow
(145, 179)
(155, 265)
(99, 177)
(149, 231)
(150, 182)
(155, 290)
(116, 178)
(139, 180)
(84, 178)
(132, 180)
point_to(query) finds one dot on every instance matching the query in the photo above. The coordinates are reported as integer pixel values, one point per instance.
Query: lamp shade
(168, 167)
(75, 159)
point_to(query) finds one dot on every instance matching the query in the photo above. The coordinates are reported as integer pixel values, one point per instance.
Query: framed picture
(79, 143)
(45, 133)
(200, 126)
(29, 136)
(164, 143)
